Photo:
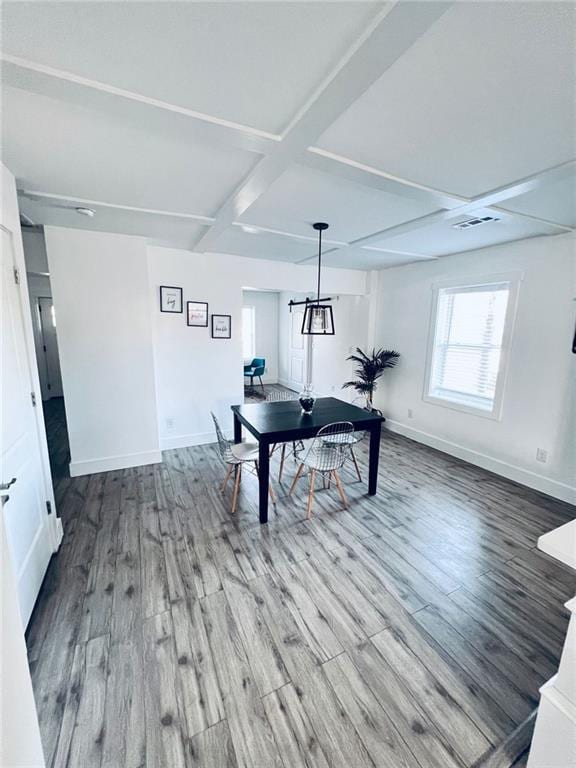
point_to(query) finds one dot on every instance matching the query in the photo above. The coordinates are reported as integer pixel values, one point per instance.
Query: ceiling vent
(475, 222)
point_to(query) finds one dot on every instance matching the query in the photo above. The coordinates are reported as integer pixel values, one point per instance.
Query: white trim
(86, 82)
(470, 281)
(109, 463)
(32, 194)
(197, 438)
(558, 700)
(446, 197)
(525, 477)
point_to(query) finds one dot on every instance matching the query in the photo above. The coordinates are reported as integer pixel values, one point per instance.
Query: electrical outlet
(410, 413)
(169, 423)
(541, 455)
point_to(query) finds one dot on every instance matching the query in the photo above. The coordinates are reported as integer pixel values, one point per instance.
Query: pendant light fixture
(318, 318)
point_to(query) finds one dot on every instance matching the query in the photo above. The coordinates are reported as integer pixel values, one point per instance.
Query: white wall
(266, 330)
(102, 302)
(194, 373)
(538, 408)
(329, 366)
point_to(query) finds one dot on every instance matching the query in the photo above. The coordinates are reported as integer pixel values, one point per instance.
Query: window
(248, 332)
(466, 360)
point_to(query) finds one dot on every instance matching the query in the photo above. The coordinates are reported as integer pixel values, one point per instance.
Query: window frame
(473, 281)
(251, 307)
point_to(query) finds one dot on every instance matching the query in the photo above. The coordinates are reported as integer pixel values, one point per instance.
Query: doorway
(47, 349)
(260, 341)
(45, 328)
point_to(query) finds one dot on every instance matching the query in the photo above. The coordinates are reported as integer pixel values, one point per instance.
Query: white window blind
(248, 332)
(467, 345)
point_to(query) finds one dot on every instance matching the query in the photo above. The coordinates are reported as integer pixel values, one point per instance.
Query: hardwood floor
(410, 631)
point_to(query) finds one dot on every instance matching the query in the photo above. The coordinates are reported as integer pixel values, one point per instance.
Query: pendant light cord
(319, 263)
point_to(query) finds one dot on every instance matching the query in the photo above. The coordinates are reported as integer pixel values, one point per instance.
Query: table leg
(374, 457)
(237, 429)
(263, 479)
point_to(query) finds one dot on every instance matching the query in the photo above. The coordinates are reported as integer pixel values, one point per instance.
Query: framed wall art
(221, 326)
(170, 299)
(197, 314)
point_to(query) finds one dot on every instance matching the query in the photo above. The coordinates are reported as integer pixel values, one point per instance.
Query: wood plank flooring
(410, 631)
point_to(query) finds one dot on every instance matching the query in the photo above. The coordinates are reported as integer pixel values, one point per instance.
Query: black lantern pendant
(318, 317)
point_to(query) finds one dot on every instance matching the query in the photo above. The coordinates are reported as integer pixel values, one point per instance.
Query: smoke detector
(475, 222)
(85, 211)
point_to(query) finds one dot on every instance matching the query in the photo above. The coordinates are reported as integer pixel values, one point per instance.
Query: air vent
(475, 222)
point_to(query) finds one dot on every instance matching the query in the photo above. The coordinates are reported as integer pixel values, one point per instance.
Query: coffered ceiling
(231, 127)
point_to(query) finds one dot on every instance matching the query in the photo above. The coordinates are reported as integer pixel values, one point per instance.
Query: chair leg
(238, 471)
(340, 489)
(282, 456)
(310, 495)
(355, 463)
(296, 478)
(261, 384)
(228, 473)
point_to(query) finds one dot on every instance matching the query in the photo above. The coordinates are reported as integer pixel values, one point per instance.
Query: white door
(49, 359)
(24, 511)
(297, 351)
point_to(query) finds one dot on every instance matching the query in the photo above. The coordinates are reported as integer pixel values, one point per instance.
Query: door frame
(10, 223)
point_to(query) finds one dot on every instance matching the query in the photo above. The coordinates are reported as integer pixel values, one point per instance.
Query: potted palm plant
(369, 368)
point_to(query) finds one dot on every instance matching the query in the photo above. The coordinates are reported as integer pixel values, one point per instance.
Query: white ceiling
(390, 121)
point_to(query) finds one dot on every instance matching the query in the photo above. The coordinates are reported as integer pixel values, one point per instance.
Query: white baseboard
(198, 438)
(510, 471)
(109, 463)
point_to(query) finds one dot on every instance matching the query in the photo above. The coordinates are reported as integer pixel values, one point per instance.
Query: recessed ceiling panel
(263, 245)
(254, 63)
(57, 147)
(553, 202)
(443, 238)
(362, 258)
(484, 98)
(302, 196)
(159, 230)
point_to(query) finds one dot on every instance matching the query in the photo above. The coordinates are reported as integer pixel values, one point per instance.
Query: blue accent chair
(255, 369)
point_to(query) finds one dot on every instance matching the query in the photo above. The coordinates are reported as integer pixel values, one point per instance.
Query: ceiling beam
(488, 199)
(171, 119)
(394, 30)
(367, 176)
(34, 195)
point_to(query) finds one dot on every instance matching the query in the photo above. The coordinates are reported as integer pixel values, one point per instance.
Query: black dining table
(283, 421)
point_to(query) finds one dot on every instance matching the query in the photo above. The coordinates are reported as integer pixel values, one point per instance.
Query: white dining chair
(277, 396)
(327, 453)
(235, 456)
(351, 441)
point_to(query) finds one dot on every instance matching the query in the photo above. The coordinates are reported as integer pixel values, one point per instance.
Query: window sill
(494, 414)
